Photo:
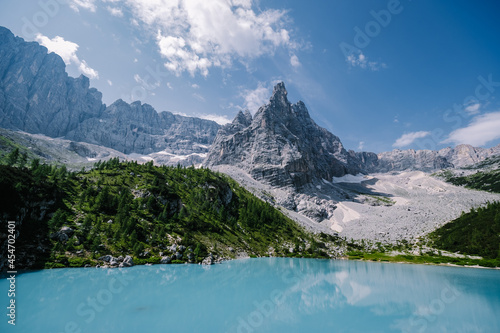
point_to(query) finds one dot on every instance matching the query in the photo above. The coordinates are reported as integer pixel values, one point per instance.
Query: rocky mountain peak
(248, 116)
(279, 95)
(244, 119)
(282, 145)
(280, 112)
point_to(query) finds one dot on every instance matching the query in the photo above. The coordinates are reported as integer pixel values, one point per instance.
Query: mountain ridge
(37, 96)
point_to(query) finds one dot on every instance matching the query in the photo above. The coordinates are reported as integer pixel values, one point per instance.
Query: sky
(381, 75)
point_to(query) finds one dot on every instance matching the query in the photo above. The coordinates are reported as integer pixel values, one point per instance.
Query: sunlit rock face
(282, 145)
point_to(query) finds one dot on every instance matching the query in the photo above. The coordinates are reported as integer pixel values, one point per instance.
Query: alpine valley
(91, 184)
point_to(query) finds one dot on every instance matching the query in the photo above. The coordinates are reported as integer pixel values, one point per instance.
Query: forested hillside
(474, 233)
(478, 231)
(124, 208)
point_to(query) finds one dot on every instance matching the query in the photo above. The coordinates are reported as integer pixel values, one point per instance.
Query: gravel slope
(379, 207)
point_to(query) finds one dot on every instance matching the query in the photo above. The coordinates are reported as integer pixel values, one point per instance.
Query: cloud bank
(196, 35)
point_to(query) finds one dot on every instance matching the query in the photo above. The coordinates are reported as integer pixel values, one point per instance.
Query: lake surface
(258, 295)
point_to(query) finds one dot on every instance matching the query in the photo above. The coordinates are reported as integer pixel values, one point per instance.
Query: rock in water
(127, 262)
(282, 145)
(166, 260)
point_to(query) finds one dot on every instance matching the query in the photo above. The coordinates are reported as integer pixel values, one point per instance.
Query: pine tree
(23, 159)
(12, 157)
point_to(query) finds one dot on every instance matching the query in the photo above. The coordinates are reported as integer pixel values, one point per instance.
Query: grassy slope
(139, 210)
(485, 181)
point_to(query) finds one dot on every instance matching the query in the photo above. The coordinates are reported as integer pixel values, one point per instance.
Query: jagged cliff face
(281, 145)
(37, 96)
(425, 160)
(138, 128)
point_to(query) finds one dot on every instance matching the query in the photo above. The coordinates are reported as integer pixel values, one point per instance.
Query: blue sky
(378, 74)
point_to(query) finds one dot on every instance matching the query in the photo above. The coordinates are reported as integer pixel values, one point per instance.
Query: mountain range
(37, 96)
(280, 144)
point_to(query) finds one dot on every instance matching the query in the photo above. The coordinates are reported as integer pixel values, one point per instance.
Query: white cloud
(196, 35)
(179, 58)
(219, 119)
(110, 82)
(408, 138)
(472, 108)
(67, 51)
(256, 98)
(85, 4)
(481, 130)
(361, 145)
(294, 61)
(87, 70)
(361, 61)
(195, 86)
(169, 85)
(115, 11)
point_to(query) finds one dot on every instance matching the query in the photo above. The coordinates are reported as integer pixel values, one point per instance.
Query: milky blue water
(257, 295)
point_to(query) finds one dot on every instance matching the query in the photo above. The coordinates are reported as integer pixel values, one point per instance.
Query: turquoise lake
(258, 295)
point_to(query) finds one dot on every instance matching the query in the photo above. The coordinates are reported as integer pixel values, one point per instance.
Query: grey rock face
(106, 258)
(63, 234)
(138, 128)
(166, 260)
(37, 96)
(127, 262)
(281, 145)
(464, 155)
(209, 260)
(426, 160)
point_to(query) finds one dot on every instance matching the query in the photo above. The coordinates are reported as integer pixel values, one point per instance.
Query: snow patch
(351, 179)
(181, 157)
